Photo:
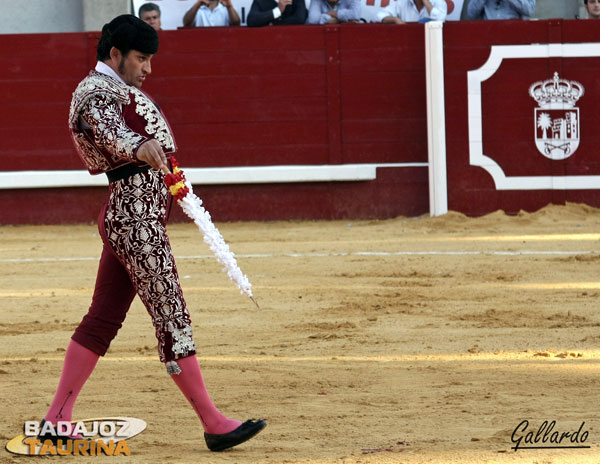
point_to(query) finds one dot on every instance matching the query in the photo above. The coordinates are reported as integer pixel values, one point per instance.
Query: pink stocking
(78, 366)
(191, 384)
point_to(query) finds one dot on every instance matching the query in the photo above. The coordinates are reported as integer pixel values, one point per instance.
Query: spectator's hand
(333, 14)
(283, 3)
(203, 2)
(392, 20)
(152, 153)
(227, 3)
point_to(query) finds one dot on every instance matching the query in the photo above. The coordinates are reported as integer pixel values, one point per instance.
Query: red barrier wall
(318, 96)
(508, 122)
(238, 97)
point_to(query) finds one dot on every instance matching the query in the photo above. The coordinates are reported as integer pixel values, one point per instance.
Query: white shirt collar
(106, 69)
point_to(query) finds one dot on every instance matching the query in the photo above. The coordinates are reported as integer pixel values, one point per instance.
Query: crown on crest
(556, 92)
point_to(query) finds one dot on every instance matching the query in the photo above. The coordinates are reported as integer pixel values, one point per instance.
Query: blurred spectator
(150, 13)
(410, 11)
(333, 11)
(264, 12)
(208, 13)
(593, 8)
(500, 9)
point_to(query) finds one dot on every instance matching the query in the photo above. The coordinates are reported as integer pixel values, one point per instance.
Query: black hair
(126, 32)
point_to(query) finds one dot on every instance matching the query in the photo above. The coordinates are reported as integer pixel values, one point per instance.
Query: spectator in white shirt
(410, 11)
(500, 9)
(208, 13)
(333, 11)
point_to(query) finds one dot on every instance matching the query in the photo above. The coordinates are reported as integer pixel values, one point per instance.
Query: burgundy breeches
(137, 259)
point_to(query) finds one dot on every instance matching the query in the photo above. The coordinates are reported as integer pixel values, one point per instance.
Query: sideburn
(122, 66)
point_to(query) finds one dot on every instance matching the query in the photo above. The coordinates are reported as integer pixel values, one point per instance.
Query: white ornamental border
(476, 155)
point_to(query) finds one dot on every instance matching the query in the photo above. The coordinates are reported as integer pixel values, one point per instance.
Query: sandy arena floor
(406, 340)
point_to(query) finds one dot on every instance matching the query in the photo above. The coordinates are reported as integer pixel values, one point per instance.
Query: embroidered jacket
(118, 119)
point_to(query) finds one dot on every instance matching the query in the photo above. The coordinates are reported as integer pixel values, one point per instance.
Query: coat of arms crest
(557, 132)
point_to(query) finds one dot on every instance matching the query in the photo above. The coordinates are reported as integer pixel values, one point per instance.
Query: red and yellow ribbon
(176, 181)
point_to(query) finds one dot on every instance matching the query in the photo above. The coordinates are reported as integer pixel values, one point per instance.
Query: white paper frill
(192, 207)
